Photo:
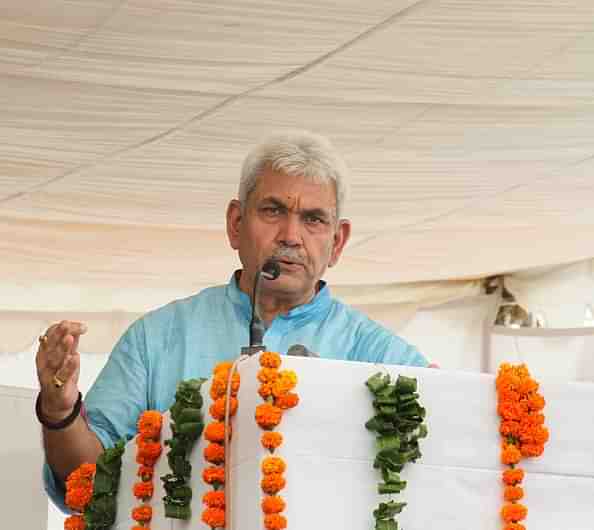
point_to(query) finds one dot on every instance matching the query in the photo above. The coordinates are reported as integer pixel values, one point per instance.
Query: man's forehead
(308, 193)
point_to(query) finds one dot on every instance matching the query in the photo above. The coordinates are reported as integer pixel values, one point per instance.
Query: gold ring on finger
(58, 383)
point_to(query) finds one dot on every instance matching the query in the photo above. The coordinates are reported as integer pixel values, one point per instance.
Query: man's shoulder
(187, 306)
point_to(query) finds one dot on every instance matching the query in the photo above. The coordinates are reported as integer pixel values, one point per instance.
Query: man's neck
(271, 305)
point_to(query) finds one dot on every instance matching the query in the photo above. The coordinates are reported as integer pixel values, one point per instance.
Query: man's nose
(290, 231)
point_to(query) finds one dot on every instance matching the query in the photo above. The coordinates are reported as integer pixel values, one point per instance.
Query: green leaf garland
(398, 424)
(186, 425)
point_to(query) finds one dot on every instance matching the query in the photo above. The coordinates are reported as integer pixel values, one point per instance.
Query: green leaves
(398, 422)
(101, 511)
(187, 426)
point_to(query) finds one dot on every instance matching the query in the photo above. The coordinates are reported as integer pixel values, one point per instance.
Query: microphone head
(271, 270)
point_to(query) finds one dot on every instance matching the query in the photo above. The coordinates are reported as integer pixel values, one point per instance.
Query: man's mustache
(288, 254)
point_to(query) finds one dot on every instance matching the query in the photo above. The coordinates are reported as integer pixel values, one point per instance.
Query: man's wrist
(55, 423)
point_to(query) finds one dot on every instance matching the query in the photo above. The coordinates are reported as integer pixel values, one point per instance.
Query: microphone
(299, 350)
(269, 271)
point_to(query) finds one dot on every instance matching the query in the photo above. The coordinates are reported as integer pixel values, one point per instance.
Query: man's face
(291, 220)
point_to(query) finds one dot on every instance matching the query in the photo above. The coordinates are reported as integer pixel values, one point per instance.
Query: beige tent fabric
(467, 125)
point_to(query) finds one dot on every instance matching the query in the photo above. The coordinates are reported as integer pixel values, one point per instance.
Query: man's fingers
(69, 368)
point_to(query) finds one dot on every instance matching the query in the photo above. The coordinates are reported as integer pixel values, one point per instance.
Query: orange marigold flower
(273, 483)
(214, 499)
(287, 401)
(271, 440)
(148, 453)
(540, 435)
(235, 383)
(214, 453)
(145, 472)
(77, 498)
(511, 477)
(143, 490)
(513, 493)
(506, 394)
(273, 504)
(75, 522)
(265, 390)
(509, 428)
(217, 409)
(536, 402)
(531, 449)
(267, 375)
(142, 514)
(268, 416)
(87, 471)
(213, 475)
(269, 359)
(510, 454)
(514, 526)
(214, 517)
(273, 464)
(222, 368)
(275, 521)
(149, 424)
(215, 432)
(527, 386)
(510, 410)
(512, 513)
(218, 387)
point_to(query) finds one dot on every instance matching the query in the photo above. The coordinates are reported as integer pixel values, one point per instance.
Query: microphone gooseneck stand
(270, 271)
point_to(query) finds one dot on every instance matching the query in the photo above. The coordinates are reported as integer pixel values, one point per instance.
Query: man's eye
(313, 220)
(271, 210)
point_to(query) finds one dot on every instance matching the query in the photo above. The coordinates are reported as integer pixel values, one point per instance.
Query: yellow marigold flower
(213, 475)
(275, 521)
(214, 499)
(273, 464)
(215, 432)
(268, 416)
(512, 513)
(289, 375)
(511, 477)
(271, 440)
(150, 423)
(75, 522)
(217, 409)
(214, 517)
(273, 504)
(269, 359)
(142, 514)
(214, 453)
(273, 483)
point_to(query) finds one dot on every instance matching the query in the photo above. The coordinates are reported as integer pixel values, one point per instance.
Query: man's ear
(234, 216)
(341, 237)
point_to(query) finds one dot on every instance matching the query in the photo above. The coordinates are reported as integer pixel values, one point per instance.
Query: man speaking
(291, 197)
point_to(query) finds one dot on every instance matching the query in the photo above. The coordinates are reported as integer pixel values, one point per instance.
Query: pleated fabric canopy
(468, 126)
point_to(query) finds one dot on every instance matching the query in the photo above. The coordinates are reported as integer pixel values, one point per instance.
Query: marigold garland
(214, 512)
(148, 451)
(523, 432)
(96, 508)
(275, 389)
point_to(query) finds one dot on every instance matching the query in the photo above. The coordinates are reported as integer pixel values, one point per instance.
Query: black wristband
(68, 420)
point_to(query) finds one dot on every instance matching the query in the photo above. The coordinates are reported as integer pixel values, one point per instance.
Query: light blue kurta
(186, 338)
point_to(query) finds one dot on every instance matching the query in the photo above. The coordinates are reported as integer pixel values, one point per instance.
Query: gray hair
(296, 154)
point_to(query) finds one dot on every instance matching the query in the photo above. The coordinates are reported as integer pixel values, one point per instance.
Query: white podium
(331, 483)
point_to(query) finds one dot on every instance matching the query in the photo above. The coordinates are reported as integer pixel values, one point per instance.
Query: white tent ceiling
(468, 126)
